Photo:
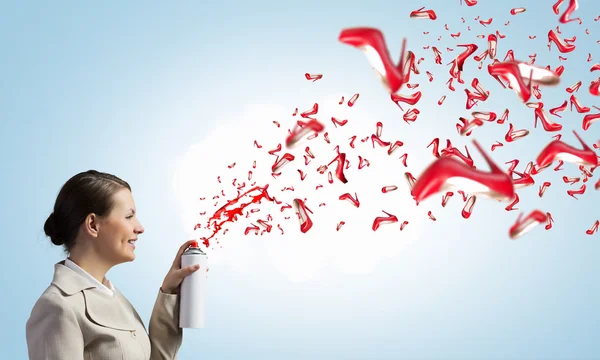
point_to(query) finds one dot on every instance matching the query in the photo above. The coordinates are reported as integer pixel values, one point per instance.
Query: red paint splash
(233, 209)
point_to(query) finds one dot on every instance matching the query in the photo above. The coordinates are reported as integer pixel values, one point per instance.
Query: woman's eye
(130, 216)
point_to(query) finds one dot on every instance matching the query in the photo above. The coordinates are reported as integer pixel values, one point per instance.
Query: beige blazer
(73, 320)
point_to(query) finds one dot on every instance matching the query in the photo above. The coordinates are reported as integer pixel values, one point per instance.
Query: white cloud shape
(355, 248)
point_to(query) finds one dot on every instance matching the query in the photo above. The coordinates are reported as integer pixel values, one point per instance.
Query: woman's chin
(128, 256)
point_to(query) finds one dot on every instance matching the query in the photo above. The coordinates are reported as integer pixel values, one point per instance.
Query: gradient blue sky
(128, 87)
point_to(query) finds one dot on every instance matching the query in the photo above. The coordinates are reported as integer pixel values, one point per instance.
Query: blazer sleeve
(52, 331)
(164, 331)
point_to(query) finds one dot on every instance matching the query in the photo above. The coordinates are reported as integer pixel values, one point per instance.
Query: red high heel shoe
(389, 219)
(564, 18)
(446, 173)
(339, 169)
(524, 180)
(595, 87)
(522, 226)
(580, 109)
(562, 46)
(423, 14)
(492, 44)
(461, 58)
(558, 150)
(588, 120)
(305, 221)
(548, 124)
(450, 150)
(409, 99)
(299, 131)
(282, 161)
(515, 72)
(561, 108)
(372, 43)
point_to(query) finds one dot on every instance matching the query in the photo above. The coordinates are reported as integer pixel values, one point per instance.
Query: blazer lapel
(103, 309)
(107, 311)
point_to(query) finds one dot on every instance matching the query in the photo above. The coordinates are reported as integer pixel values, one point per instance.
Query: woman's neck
(91, 264)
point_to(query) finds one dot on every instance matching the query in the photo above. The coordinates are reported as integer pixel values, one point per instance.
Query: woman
(81, 315)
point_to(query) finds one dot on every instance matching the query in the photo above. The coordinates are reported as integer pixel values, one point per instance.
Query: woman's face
(119, 230)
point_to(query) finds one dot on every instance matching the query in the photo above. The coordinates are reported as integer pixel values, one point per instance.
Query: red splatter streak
(229, 212)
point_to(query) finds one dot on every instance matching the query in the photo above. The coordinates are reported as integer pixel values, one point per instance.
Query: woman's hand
(176, 275)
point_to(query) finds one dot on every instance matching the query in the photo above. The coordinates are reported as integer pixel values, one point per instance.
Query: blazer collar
(68, 281)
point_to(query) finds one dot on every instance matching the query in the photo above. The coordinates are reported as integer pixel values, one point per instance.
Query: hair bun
(50, 230)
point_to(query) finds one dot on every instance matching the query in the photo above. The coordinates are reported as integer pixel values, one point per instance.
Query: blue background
(126, 87)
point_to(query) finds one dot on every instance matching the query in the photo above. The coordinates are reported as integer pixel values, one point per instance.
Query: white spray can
(192, 292)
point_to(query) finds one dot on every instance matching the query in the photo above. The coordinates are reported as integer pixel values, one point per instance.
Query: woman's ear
(91, 225)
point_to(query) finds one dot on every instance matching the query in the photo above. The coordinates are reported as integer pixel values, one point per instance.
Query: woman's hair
(87, 192)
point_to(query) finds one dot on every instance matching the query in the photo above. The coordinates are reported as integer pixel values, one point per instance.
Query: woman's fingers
(177, 261)
(188, 270)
